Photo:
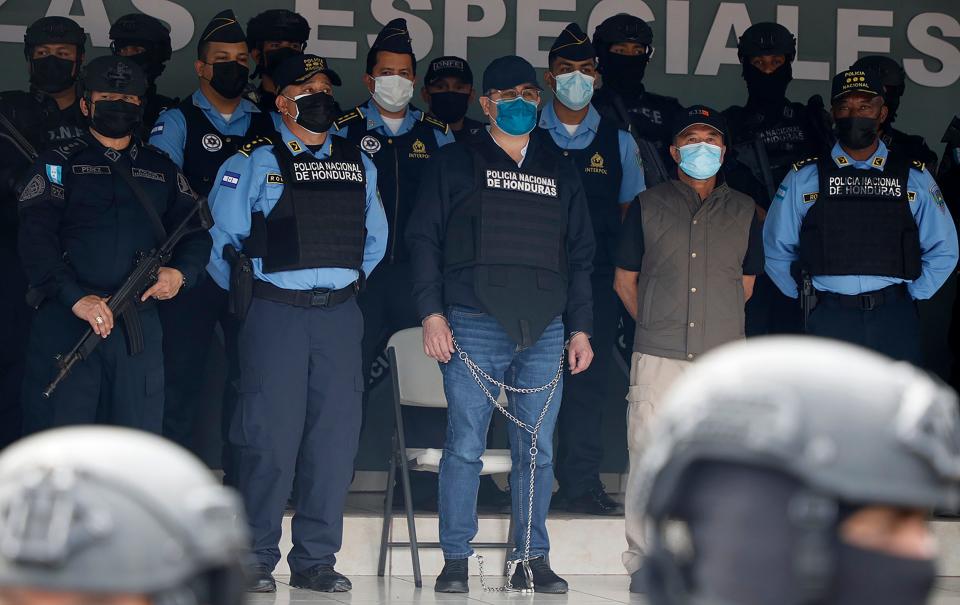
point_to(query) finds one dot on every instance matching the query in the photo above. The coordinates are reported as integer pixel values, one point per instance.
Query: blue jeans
(469, 414)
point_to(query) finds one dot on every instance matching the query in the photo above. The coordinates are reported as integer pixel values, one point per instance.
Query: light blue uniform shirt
(246, 190)
(781, 231)
(169, 134)
(371, 113)
(632, 183)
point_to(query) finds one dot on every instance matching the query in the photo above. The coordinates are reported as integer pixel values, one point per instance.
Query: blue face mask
(700, 160)
(574, 89)
(517, 117)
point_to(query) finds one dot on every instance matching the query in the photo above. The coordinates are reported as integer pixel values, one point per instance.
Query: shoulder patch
(442, 126)
(70, 148)
(353, 114)
(798, 165)
(274, 178)
(911, 196)
(918, 165)
(247, 148)
(809, 198)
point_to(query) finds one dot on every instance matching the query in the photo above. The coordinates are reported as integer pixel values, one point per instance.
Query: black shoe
(259, 579)
(559, 501)
(638, 582)
(453, 578)
(321, 578)
(544, 580)
(595, 502)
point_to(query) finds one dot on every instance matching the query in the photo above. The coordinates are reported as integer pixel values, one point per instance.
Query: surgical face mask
(315, 112)
(449, 107)
(229, 79)
(517, 117)
(52, 74)
(700, 160)
(866, 576)
(764, 88)
(857, 133)
(393, 93)
(115, 119)
(624, 73)
(574, 89)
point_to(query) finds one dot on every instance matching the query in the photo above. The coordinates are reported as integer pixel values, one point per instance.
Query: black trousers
(893, 328)
(770, 311)
(14, 335)
(580, 439)
(111, 386)
(189, 321)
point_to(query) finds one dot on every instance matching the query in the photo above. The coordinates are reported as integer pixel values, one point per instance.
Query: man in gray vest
(689, 253)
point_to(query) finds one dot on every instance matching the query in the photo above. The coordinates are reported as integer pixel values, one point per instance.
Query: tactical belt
(867, 301)
(320, 297)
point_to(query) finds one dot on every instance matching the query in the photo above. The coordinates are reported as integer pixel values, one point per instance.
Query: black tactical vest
(320, 219)
(206, 149)
(860, 222)
(400, 160)
(512, 233)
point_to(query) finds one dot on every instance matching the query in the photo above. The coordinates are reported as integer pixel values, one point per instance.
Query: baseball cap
(865, 81)
(509, 72)
(297, 69)
(448, 67)
(699, 114)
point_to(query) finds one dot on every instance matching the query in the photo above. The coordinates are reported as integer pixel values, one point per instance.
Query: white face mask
(393, 93)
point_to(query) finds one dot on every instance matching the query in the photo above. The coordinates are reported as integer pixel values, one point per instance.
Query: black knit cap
(223, 28)
(573, 44)
(394, 38)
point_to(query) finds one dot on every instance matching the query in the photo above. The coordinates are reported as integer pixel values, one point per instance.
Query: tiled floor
(584, 590)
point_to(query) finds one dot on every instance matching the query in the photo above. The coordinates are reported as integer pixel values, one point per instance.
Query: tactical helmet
(138, 29)
(115, 511)
(109, 73)
(767, 39)
(277, 24)
(54, 30)
(622, 28)
(892, 75)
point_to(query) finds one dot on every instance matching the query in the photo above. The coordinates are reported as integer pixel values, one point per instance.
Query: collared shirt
(247, 189)
(938, 235)
(169, 134)
(371, 114)
(632, 182)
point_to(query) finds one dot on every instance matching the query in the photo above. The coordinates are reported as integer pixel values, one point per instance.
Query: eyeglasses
(528, 94)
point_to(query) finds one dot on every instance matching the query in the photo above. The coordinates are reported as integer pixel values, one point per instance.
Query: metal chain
(479, 376)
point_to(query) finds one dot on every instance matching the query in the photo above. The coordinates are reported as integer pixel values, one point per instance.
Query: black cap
(508, 72)
(448, 67)
(865, 81)
(699, 114)
(890, 72)
(394, 38)
(572, 44)
(621, 28)
(223, 28)
(277, 24)
(140, 29)
(300, 68)
(767, 39)
(110, 73)
(54, 30)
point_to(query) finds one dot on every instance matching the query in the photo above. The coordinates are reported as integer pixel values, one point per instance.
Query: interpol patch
(809, 198)
(230, 179)
(274, 178)
(55, 174)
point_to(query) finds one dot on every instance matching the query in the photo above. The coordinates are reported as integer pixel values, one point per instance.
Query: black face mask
(229, 79)
(767, 89)
(865, 576)
(624, 73)
(52, 74)
(315, 112)
(449, 107)
(274, 58)
(857, 133)
(115, 119)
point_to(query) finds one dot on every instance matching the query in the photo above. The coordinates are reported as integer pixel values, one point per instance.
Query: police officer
(127, 501)
(624, 45)
(768, 135)
(810, 481)
(304, 207)
(869, 226)
(146, 41)
(894, 80)
(448, 92)
(401, 139)
(272, 36)
(82, 225)
(199, 135)
(502, 248)
(608, 162)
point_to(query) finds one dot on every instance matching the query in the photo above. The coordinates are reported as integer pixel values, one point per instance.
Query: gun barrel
(65, 368)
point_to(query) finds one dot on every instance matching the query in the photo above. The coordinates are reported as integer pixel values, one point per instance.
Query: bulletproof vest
(400, 160)
(909, 145)
(512, 232)
(67, 124)
(860, 222)
(153, 106)
(785, 137)
(206, 149)
(319, 220)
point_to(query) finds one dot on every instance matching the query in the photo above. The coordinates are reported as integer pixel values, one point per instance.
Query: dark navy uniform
(649, 116)
(471, 128)
(81, 228)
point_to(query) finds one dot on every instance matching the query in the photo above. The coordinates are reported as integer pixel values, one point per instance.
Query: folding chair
(417, 381)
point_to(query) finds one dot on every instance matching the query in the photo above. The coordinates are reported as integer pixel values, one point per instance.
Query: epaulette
(798, 165)
(70, 148)
(247, 148)
(349, 116)
(439, 125)
(918, 165)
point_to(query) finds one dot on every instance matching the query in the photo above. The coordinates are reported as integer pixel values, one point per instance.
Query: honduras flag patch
(230, 179)
(157, 129)
(55, 174)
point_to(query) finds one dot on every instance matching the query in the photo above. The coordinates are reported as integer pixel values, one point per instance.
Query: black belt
(319, 297)
(868, 301)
